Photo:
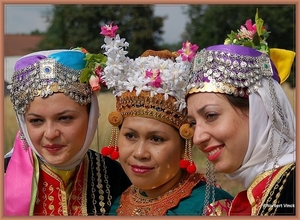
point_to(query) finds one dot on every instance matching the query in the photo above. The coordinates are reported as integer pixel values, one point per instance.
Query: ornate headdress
(238, 66)
(74, 72)
(152, 85)
(246, 67)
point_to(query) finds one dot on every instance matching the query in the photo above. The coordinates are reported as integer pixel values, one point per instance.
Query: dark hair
(238, 102)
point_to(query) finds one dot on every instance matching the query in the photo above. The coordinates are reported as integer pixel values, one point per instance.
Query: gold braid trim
(156, 107)
(133, 204)
(277, 182)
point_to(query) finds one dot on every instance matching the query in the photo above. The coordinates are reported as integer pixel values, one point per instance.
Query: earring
(23, 139)
(115, 119)
(187, 162)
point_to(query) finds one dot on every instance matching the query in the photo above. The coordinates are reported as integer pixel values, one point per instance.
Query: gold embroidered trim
(156, 107)
(133, 205)
(256, 203)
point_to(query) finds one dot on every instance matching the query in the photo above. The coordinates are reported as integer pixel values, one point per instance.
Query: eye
(36, 121)
(157, 139)
(192, 123)
(65, 118)
(130, 136)
(211, 116)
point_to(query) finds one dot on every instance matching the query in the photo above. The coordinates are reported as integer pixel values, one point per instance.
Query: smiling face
(150, 152)
(57, 127)
(221, 130)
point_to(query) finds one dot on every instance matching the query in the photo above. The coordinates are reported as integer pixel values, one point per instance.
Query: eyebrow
(152, 132)
(201, 110)
(59, 113)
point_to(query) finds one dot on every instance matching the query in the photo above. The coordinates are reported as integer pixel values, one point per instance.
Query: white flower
(124, 74)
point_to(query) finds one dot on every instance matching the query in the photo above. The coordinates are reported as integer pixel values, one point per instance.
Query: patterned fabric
(94, 187)
(279, 198)
(186, 199)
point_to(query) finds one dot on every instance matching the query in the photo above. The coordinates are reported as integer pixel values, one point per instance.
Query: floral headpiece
(152, 85)
(74, 72)
(251, 35)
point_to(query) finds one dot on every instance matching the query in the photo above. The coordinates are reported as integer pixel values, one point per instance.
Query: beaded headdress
(152, 86)
(237, 67)
(74, 72)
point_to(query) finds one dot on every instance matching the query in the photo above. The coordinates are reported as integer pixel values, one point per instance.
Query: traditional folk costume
(268, 169)
(85, 185)
(153, 86)
(182, 200)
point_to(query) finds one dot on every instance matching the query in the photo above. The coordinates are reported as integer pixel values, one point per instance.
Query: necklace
(133, 204)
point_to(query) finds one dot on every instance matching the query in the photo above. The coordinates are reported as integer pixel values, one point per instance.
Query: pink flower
(188, 51)
(157, 82)
(155, 76)
(249, 25)
(109, 30)
(247, 31)
(94, 82)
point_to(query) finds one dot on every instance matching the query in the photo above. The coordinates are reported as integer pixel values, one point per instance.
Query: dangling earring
(187, 162)
(115, 119)
(23, 139)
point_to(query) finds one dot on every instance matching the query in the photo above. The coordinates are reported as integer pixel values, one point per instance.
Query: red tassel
(183, 163)
(114, 155)
(191, 168)
(107, 150)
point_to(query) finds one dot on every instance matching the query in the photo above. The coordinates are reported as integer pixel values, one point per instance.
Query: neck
(164, 188)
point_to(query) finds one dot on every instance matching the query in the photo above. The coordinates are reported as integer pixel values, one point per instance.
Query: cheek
(124, 148)
(35, 135)
(240, 136)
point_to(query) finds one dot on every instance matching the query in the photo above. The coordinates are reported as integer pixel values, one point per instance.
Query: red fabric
(240, 205)
(53, 198)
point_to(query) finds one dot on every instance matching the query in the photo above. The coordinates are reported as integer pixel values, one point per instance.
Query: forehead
(57, 101)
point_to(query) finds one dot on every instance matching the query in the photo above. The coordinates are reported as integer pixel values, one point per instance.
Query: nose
(51, 131)
(141, 151)
(201, 137)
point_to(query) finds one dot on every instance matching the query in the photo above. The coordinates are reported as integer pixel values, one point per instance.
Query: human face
(57, 127)
(221, 130)
(150, 152)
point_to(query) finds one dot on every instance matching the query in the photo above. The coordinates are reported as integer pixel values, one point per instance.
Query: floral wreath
(251, 35)
(150, 73)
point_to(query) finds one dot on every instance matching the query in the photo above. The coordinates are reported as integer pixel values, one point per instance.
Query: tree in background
(79, 26)
(210, 24)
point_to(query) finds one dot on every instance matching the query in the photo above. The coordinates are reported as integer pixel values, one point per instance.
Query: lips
(141, 169)
(53, 148)
(213, 152)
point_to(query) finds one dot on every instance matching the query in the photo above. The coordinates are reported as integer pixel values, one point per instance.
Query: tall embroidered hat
(152, 85)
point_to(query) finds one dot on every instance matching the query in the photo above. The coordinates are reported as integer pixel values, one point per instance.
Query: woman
(51, 170)
(154, 145)
(243, 121)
